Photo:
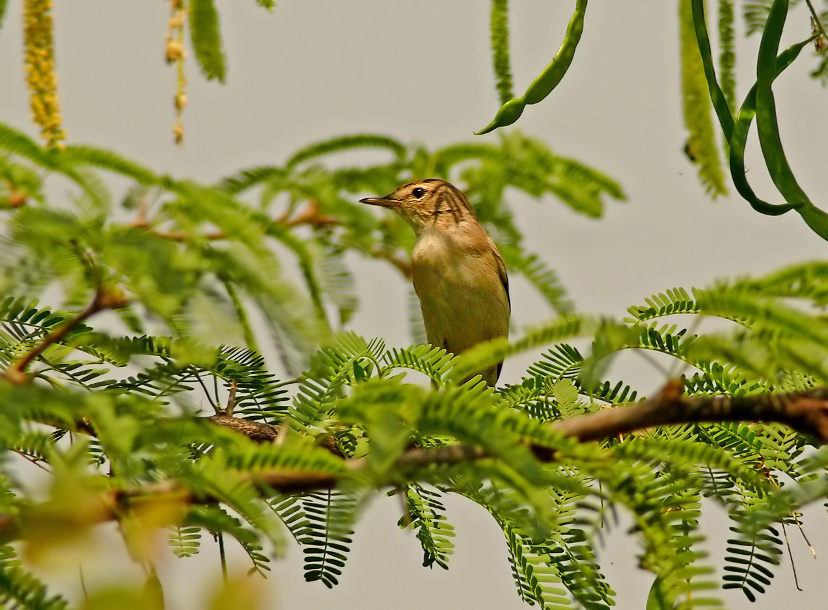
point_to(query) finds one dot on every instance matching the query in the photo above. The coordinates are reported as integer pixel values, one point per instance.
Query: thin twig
(805, 537)
(309, 216)
(103, 299)
(790, 554)
(33, 460)
(207, 393)
(231, 400)
(223, 557)
(816, 19)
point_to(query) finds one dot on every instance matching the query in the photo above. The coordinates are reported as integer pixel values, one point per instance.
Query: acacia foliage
(180, 256)
(138, 307)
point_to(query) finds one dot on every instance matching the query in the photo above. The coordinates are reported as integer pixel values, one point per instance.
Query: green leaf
(21, 589)
(416, 326)
(249, 178)
(326, 535)
(701, 148)
(3, 6)
(18, 143)
(500, 49)
(111, 161)
(490, 353)
(542, 277)
(426, 516)
(769, 67)
(206, 39)
(768, 126)
(338, 284)
(755, 13)
(727, 54)
(343, 143)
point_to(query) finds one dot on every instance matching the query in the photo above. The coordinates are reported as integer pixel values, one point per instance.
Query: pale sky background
(421, 71)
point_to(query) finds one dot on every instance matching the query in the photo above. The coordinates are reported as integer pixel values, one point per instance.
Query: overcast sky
(421, 71)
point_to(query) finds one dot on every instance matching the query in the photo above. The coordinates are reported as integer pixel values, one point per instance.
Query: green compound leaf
(500, 49)
(727, 54)
(701, 146)
(206, 39)
(110, 161)
(344, 143)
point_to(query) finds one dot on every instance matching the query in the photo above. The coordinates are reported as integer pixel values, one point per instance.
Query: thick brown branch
(805, 412)
(265, 433)
(116, 504)
(449, 454)
(255, 431)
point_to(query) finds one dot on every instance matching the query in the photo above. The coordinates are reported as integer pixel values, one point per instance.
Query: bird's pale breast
(461, 295)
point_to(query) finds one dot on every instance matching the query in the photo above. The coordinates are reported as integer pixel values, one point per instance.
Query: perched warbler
(458, 273)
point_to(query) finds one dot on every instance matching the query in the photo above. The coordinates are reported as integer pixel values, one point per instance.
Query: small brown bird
(458, 273)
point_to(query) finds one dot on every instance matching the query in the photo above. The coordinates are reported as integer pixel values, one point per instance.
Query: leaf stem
(223, 557)
(816, 19)
(104, 299)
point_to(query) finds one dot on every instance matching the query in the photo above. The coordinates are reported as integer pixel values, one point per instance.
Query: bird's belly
(461, 304)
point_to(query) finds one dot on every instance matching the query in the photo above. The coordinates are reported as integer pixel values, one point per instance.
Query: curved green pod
(548, 79)
(759, 104)
(767, 125)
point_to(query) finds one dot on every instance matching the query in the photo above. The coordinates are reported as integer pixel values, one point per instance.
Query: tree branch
(806, 412)
(255, 431)
(105, 298)
(114, 505)
(311, 215)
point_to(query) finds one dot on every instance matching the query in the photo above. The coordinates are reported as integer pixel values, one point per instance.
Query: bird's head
(427, 202)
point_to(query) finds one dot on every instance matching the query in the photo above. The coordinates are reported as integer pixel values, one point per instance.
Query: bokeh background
(420, 71)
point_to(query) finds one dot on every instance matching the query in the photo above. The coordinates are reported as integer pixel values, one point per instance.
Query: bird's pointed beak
(385, 202)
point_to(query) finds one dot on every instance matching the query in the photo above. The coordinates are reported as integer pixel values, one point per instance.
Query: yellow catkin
(40, 70)
(174, 53)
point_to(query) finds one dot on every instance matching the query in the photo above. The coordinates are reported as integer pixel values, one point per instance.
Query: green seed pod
(554, 72)
(508, 114)
(549, 78)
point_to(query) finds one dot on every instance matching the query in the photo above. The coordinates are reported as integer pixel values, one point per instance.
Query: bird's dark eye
(418, 192)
